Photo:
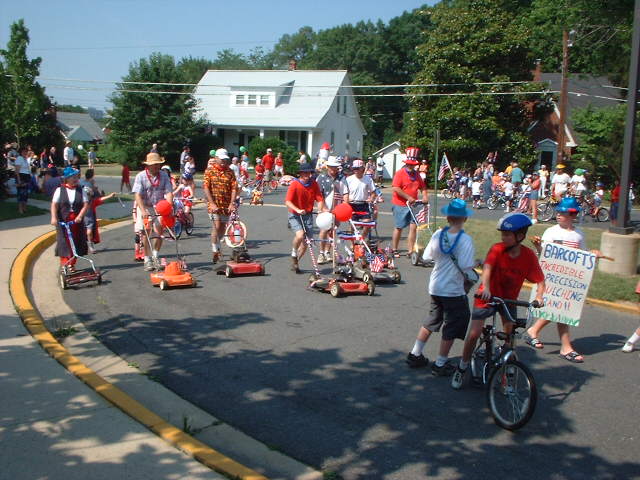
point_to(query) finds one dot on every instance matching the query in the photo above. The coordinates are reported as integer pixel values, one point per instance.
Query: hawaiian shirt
(220, 182)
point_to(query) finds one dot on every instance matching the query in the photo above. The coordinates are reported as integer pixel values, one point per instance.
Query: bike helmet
(514, 222)
(599, 184)
(167, 168)
(187, 176)
(568, 204)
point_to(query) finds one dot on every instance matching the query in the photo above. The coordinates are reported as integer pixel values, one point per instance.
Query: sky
(97, 40)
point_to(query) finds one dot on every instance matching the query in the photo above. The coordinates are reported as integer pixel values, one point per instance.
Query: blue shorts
(401, 216)
(296, 225)
(613, 212)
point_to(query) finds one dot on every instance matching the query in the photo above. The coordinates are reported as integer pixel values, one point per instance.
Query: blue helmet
(568, 204)
(187, 176)
(514, 222)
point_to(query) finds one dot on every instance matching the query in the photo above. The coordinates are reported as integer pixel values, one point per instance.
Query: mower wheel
(366, 277)
(414, 258)
(395, 275)
(99, 279)
(164, 285)
(371, 288)
(228, 271)
(63, 281)
(194, 282)
(335, 290)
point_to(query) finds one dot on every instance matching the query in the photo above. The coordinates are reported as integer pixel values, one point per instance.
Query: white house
(304, 108)
(393, 158)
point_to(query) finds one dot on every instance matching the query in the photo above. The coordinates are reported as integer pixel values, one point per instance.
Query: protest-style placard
(567, 275)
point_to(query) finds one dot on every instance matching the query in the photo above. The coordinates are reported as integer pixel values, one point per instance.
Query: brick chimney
(293, 65)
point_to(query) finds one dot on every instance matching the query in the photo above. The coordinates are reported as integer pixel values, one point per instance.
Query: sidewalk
(54, 426)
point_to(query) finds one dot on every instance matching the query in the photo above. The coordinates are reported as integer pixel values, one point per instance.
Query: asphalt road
(324, 379)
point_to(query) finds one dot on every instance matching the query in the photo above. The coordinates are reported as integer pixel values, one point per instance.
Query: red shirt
(303, 196)
(268, 161)
(410, 183)
(125, 173)
(279, 161)
(508, 274)
(615, 194)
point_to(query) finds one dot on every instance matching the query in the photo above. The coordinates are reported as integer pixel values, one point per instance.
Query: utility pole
(563, 97)
(629, 146)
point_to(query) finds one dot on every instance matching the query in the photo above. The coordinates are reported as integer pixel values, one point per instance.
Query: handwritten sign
(567, 275)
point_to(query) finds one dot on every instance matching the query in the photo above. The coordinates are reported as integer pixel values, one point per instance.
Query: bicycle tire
(190, 221)
(545, 211)
(177, 229)
(492, 203)
(510, 409)
(446, 193)
(603, 215)
(479, 361)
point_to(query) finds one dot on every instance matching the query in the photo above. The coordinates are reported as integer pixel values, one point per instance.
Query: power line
(175, 45)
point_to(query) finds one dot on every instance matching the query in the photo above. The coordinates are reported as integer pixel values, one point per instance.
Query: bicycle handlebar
(506, 301)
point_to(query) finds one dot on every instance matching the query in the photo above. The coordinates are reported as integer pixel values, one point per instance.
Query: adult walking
(544, 177)
(487, 182)
(334, 191)
(534, 196)
(68, 154)
(21, 170)
(220, 188)
(407, 185)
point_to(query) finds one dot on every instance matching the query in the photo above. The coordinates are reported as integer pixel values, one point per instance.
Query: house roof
(70, 121)
(303, 97)
(584, 90)
(391, 146)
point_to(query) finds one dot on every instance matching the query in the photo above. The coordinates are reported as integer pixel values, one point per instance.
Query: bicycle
(589, 208)
(497, 199)
(184, 221)
(511, 389)
(268, 186)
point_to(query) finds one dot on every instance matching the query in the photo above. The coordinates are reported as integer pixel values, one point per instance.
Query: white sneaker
(534, 221)
(628, 347)
(320, 259)
(148, 265)
(458, 378)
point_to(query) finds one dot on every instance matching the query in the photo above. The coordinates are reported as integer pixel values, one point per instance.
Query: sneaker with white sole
(445, 370)
(148, 265)
(628, 347)
(458, 378)
(321, 258)
(416, 361)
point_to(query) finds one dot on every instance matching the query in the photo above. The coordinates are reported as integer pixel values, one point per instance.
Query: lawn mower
(235, 236)
(175, 273)
(342, 281)
(68, 274)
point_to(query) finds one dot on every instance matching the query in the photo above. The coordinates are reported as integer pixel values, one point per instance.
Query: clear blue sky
(97, 40)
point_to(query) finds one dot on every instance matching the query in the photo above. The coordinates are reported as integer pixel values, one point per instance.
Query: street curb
(33, 321)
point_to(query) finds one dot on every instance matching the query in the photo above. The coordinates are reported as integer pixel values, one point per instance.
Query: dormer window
(252, 99)
(239, 99)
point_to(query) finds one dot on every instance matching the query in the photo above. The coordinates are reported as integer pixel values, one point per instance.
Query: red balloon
(343, 212)
(163, 207)
(168, 221)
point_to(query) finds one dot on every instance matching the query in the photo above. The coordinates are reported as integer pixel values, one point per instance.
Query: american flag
(421, 217)
(376, 262)
(337, 197)
(444, 166)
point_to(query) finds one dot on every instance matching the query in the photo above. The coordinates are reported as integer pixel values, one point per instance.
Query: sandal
(572, 357)
(395, 253)
(534, 342)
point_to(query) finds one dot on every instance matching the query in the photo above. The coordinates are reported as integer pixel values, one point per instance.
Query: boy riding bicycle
(507, 266)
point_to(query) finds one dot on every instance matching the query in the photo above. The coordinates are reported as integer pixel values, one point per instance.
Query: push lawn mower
(68, 274)
(235, 236)
(342, 281)
(422, 223)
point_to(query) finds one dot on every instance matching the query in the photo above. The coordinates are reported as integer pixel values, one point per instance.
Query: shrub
(258, 147)
(109, 153)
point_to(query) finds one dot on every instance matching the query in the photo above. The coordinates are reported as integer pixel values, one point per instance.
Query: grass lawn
(9, 210)
(604, 286)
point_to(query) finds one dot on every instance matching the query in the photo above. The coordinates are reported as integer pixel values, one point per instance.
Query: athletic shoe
(294, 265)
(445, 370)
(416, 361)
(91, 250)
(321, 258)
(534, 221)
(458, 378)
(628, 347)
(215, 258)
(148, 265)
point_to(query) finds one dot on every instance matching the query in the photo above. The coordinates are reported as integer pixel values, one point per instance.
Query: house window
(292, 138)
(239, 99)
(344, 105)
(337, 106)
(333, 139)
(251, 99)
(264, 99)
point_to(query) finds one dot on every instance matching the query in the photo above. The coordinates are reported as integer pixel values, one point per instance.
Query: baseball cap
(357, 163)
(222, 154)
(333, 161)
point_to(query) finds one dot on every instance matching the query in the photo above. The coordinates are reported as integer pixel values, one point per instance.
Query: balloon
(324, 220)
(343, 212)
(168, 221)
(164, 208)
(80, 147)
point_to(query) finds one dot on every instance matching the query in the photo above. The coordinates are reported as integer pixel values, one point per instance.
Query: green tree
(258, 147)
(293, 47)
(600, 138)
(193, 68)
(24, 107)
(71, 108)
(473, 41)
(166, 117)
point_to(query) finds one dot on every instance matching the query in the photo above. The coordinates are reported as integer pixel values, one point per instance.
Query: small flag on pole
(377, 264)
(444, 166)
(421, 217)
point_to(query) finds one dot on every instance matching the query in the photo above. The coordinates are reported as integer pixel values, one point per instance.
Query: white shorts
(278, 169)
(139, 225)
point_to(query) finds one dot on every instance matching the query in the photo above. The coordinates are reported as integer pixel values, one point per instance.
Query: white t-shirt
(67, 154)
(360, 188)
(379, 164)
(71, 193)
(446, 280)
(570, 238)
(507, 188)
(476, 188)
(561, 181)
(579, 182)
(235, 169)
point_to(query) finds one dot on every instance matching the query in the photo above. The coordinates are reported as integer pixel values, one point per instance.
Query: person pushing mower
(302, 194)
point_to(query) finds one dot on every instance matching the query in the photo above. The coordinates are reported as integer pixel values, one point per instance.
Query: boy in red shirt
(268, 161)
(125, 178)
(259, 170)
(507, 266)
(301, 196)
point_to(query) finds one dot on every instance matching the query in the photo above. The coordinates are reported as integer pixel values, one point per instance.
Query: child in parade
(507, 266)
(476, 190)
(453, 252)
(69, 204)
(185, 192)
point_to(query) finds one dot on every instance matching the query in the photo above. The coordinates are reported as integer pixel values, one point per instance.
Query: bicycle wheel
(479, 362)
(190, 221)
(512, 395)
(446, 193)
(177, 228)
(492, 203)
(545, 211)
(273, 185)
(603, 215)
